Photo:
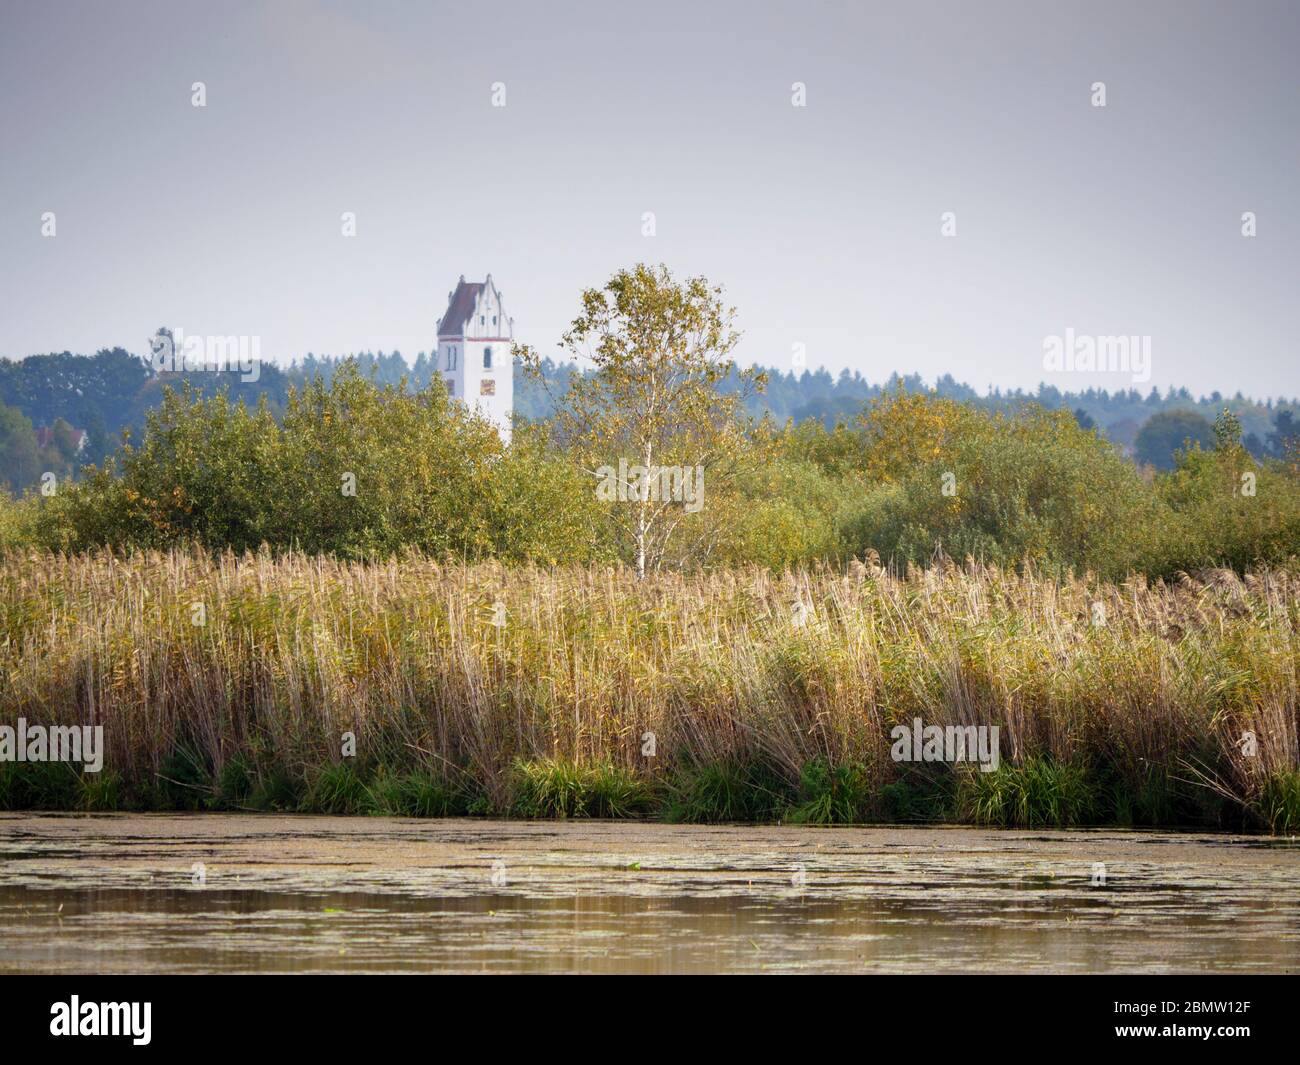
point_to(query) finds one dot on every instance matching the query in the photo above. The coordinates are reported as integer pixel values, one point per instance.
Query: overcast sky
(822, 222)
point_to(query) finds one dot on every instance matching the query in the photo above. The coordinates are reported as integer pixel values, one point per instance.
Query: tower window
(487, 358)
(487, 387)
(451, 357)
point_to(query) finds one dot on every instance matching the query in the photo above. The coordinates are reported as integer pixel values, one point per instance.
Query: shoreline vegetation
(231, 682)
(369, 601)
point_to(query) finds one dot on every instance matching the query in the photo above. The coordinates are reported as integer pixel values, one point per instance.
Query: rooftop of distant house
(45, 436)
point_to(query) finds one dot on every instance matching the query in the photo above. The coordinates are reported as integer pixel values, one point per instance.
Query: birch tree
(647, 421)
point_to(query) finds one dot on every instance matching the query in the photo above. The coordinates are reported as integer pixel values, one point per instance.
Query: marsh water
(264, 893)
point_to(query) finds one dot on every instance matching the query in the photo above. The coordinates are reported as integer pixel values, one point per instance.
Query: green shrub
(413, 795)
(725, 791)
(555, 788)
(185, 780)
(1038, 793)
(841, 795)
(40, 786)
(1280, 802)
(276, 791)
(336, 789)
(101, 792)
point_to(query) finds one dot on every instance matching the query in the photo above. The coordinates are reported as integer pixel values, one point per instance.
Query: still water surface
(250, 893)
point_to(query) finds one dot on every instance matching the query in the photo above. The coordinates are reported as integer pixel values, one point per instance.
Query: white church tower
(474, 351)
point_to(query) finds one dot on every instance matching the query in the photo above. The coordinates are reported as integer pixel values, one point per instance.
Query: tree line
(333, 458)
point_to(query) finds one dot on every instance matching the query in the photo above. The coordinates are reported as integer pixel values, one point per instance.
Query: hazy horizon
(822, 222)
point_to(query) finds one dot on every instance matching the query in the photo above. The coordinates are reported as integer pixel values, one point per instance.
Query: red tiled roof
(460, 309)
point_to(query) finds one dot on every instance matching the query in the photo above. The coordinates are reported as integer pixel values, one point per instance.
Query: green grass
(413, 795)
(40, 786)
(101, 792)
(278, 791)
(336, 789)
(843, 795)
(185, 780)
(1280, 804)
(727, 791)
(1039, 793)
(921, 793)
(234, 783)
(560, 789)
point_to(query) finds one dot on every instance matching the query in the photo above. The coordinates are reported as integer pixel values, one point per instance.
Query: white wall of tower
(477, 367)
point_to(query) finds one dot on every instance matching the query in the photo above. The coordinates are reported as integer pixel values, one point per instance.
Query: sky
(824, 223)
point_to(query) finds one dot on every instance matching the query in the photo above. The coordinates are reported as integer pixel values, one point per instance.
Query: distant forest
(59, 412)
